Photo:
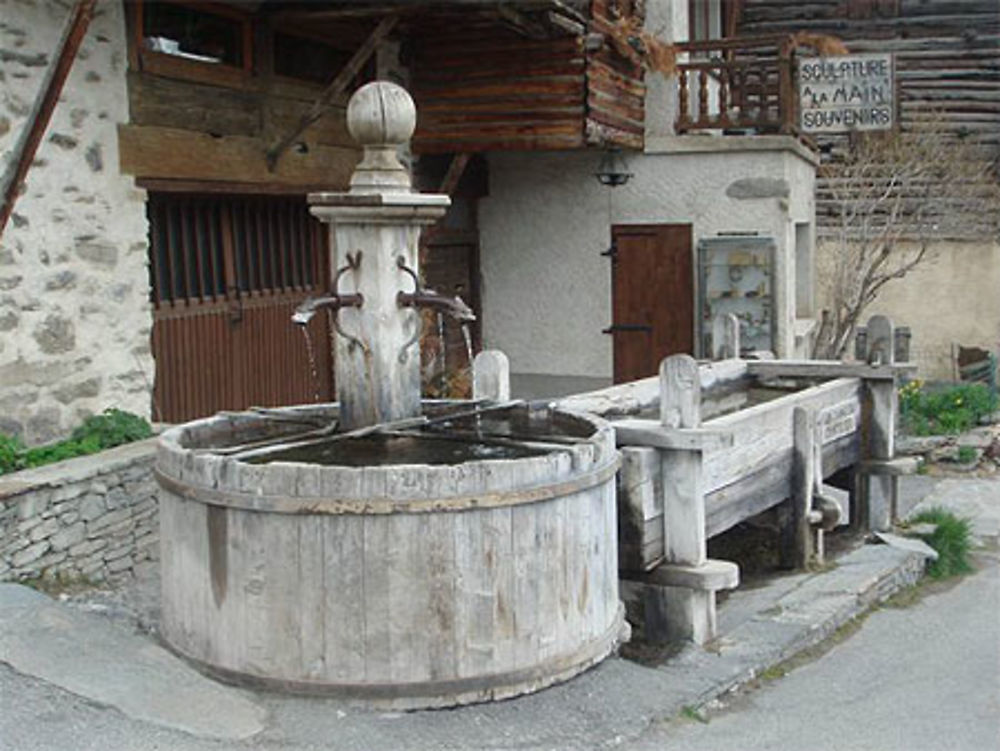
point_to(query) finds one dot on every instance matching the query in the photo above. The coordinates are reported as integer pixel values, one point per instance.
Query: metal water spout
(428, 298)
(311, 305)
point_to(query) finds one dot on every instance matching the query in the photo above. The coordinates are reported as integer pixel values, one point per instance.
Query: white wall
(547, 289)
(74, 312)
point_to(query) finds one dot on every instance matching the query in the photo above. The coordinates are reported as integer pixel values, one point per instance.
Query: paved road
(920, 678)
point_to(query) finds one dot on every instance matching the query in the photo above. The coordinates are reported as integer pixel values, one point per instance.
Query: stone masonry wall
(94, 517)
(74, 312)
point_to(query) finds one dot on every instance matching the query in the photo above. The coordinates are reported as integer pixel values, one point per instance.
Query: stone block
(81, 390)
(33, 504)
(68, 492)
(70, 517)
(87, 547)
(98, 487)
(119, 564)
(114, 553)
(48, 562)
(46, 529)
(30, 554)
(98, 253)
(68, 536)
(116, 498)
(24, 527)
(55, 335)
(92, 569)
(102, 523)
(92, 506)
(119, 530)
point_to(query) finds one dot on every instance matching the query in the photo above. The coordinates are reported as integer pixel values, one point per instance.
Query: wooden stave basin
(408, 585)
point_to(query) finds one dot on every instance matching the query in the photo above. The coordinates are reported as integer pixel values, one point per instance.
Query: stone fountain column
(372, 226)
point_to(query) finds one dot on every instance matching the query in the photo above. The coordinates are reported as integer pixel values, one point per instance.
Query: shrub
(948, 410)
(111, 428)
(11, 454)
(951, 540)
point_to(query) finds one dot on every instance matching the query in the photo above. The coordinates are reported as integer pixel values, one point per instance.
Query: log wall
(947, 55)
(480, 86)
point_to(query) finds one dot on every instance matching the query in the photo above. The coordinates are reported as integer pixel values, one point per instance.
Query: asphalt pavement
(73, 679)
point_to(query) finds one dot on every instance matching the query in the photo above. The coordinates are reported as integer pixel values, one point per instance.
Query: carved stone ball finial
(381, 117)
(381, 113)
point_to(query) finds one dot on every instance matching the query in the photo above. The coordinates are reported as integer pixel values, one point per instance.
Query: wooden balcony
(741, 85)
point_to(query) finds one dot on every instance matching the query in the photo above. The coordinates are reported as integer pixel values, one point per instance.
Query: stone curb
(798, 620)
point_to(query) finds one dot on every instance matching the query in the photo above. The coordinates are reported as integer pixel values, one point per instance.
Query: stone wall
(92, 518)
(74, 313)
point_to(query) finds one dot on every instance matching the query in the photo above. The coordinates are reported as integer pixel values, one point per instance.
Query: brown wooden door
(226, 273)
(652, 297)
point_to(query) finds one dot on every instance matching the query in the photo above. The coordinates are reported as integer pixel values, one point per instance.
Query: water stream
(442, 346)
(467, 338)
(311, 351)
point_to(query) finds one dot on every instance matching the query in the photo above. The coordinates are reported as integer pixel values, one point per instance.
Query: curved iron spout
(426, 298)
(309, 307)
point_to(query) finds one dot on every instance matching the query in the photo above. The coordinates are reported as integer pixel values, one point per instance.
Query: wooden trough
(422, 585)
(710, 460)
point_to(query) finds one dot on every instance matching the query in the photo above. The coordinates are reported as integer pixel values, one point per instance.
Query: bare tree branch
(894, 195)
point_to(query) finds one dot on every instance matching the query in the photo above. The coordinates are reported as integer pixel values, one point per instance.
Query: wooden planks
(615, 87)
(946, 57)
(172, 153)
(491, 88)
(422, 607)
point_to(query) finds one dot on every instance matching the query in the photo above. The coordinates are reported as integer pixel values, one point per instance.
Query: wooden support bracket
(896, 467)
(336, 88)
(710, 576)
(638, 432)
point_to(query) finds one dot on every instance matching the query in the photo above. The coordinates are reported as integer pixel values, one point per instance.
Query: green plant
(951, 540)
(111, 428)
(953, 409)
(11, 454)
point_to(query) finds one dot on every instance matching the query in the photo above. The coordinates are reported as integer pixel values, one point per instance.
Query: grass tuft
(951, 540)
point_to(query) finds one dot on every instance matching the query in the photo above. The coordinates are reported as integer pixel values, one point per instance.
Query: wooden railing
(743, 84)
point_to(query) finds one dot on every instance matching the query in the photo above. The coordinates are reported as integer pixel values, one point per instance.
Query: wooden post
(690, 613)
(879, 496)
(797, 548)
(725, 337)
(491, 376)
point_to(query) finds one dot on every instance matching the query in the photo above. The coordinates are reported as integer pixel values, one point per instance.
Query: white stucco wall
(74, 311)
(547, 289)
(950, 299)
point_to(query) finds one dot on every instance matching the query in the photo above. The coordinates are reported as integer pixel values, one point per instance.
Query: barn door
(652, 297)
(226, 273)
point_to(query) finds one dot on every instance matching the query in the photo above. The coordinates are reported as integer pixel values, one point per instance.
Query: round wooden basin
(425, 585)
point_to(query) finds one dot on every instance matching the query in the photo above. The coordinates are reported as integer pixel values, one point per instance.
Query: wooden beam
(825, 369)
(454, 173)
(336, 88)
(639, 432)
(41, 113)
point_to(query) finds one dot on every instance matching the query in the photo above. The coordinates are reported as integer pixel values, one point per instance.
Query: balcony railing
(737, 85)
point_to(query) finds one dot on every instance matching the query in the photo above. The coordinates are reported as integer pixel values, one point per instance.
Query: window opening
(193, 34)
(273, 246)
